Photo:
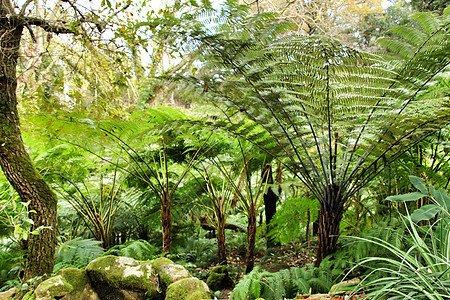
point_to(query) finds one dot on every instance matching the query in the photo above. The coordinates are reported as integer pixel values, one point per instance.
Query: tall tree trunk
(251, 239)
(166, 220)
(14, 159)
(221, 247)
(270, 203)
(330, 216)
(221, 223)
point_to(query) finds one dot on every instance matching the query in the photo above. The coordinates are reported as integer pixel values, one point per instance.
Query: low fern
(285, 283)
(250, 285)
(350, 251)
(137, 249)
(77, 253)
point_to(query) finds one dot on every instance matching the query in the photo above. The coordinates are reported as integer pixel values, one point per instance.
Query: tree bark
(221, 224)
(330, 216)
(251, 239)
(166, 220)
(15, 160)
(221, 246)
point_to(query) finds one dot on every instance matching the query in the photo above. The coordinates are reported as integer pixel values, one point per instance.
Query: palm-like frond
(338, 114)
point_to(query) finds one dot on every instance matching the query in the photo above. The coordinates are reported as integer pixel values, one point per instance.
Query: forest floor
(276, 259)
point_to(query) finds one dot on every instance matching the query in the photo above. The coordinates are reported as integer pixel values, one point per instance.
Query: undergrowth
(77, 253)
(137, 249)
(283, 284)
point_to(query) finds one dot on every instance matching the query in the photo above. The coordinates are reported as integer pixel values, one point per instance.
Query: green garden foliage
(137, 249)
(420, 269)
(77, 253)
(11, 263)
(197, 250)
(283, 284)
(334, 115)
(290, 221)
(346, 125)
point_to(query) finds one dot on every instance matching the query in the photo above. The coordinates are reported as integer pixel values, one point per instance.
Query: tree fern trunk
(15, 160)
(221, 247)
(251, 239)
(166, 220)
(330, 216)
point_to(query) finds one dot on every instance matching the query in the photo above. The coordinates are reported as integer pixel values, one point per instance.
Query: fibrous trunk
(166, 220)
(16, 162)
(330, 216)
(221, 247)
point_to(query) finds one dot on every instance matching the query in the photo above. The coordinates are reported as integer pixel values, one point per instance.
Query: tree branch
(24, 7)
(49, 26)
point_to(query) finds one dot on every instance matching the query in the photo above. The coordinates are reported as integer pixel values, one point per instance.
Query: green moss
(188, 288)
(161, 261)
(76, 277)
(198, 295)
(53, 287)
(219, 270)
(122, 273)
(165, 279)
(219, 279)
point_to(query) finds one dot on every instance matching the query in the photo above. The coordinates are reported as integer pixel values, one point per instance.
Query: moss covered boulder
(219, 279)
(162, 261)
(53, 288)
(68, 284)
(188, 289)
(115, 277)
(79, 280)
(169, 272)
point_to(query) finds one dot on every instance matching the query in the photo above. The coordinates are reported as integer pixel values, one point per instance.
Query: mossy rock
(171, 273)
(113, 274)
(219, 279)
(54, 287)
(76, 277)
(188, 289)
(79, 280)
(161, 261)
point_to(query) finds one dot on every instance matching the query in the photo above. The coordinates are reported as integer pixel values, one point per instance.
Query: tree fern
(334, 115)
